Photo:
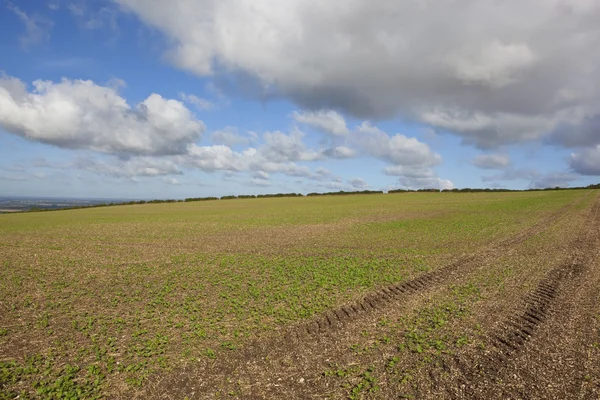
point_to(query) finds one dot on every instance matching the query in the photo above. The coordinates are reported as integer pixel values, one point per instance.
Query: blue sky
(149, 99)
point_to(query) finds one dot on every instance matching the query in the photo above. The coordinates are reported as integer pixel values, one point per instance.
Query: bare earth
(532, 332)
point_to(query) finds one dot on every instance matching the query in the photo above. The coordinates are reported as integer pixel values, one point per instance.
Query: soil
(540, 337)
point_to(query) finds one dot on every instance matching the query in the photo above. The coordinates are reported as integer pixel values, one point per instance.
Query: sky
(150, 99)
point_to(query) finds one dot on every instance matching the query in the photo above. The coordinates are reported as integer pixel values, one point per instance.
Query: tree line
(339, 193)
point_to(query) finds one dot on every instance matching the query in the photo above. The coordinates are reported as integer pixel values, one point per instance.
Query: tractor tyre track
(201, 381)
(381, 298)
(545, 349)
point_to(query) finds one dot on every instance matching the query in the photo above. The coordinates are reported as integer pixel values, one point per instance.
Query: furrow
(538, 300)
(519, 328)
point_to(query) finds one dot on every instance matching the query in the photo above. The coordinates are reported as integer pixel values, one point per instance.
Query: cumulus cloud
(586, 161)
(261, 175)
(280, 147)
(218, 158)
(223, 158)
(417, 177)
(278, 155)
(340, 152)
(411, 160)
(495, 64)
(281, 152)
(323, 172)
(492, 161)
(79, 114)
(493, 72)
(425, 182)
(159, 137)
(198, 102)
(327, 121)
(229, 136)
(397, 149)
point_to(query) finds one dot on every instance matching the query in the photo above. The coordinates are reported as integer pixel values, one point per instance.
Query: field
(414, 295)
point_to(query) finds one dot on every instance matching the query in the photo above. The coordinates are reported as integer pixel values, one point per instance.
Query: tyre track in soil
(382, 297)
(202, 380)
(544, 349)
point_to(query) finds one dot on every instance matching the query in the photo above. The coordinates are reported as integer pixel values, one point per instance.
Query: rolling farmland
(414, 295)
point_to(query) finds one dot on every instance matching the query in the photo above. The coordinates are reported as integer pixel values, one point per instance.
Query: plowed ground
(426, 296)
(518, 319)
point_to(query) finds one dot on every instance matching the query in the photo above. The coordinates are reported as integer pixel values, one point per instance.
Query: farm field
(412, 295)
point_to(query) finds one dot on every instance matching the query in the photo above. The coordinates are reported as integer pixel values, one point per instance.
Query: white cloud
(409, 171)
(200, 103)
(158, 137)
(280, 151)
(493, 72)
(37, 29)
(494, 64)
(216, 158)
(492, 161)
(280, 147)
(223, 158)
(261, 175)
(278, 155)
(290, 169)
(326, 121)
(229, 136)
(340, 152)
(411, 160)
(415, 177)
(322, 171)
(82, 115)
(425, 183)
(397, 149)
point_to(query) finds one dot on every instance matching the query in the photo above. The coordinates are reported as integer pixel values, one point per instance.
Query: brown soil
(540, 336)
(549, 348)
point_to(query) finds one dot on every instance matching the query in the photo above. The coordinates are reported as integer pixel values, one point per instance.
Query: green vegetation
(95, 301)
(415, 340)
